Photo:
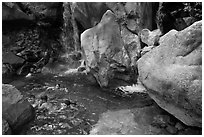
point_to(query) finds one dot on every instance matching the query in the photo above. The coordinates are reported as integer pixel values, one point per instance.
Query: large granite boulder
(15, 110)
(102, 46)
(173, 74)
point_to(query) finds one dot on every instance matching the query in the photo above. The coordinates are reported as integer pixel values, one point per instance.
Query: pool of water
(91, 101)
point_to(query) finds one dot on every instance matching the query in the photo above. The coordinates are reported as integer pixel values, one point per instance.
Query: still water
(91, 102)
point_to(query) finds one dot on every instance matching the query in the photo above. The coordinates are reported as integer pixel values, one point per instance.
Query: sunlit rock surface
(173, 74)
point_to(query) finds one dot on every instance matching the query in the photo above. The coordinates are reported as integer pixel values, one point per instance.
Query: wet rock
(151, 38)
(16, 111)
(10, 95)
(100, 46)
(171, 129)
(6, 130)
(18, 115)
(172, 74)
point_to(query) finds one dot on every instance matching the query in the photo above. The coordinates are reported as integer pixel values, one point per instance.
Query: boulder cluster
(169, 65)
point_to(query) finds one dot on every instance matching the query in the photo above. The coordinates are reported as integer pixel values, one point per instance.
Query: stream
(91, 101)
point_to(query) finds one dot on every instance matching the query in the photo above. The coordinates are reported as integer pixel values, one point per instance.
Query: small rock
(160, 121)
(65, 125)
(76, 122)
(172, 121)
(171, 129)
(28, 75)
(189, 20)
(62, 117)
(151, 38)
(179, 126)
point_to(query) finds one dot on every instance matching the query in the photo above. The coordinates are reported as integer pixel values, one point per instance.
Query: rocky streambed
(96, 111)
(119, 45)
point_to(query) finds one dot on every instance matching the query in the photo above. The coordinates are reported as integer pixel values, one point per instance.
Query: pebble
(76, 122)
(65, 125)
(28, 75)
(171, 129)
(62, 117)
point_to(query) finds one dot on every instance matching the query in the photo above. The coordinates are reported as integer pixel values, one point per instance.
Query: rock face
(16, 111)
(173, 74)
